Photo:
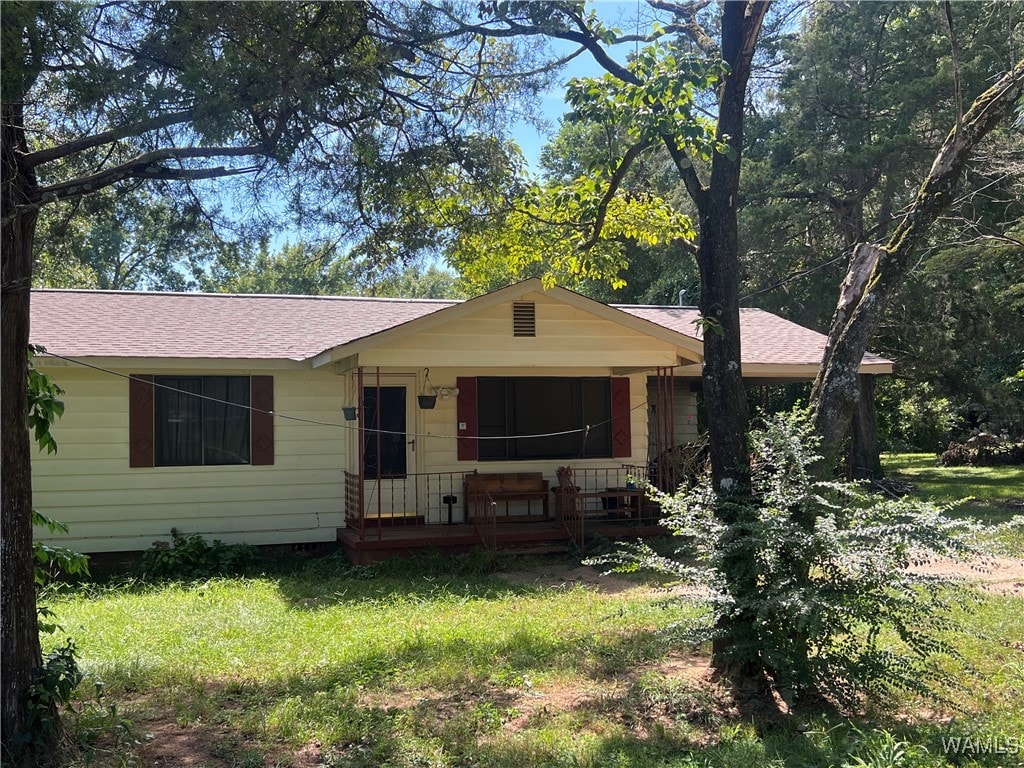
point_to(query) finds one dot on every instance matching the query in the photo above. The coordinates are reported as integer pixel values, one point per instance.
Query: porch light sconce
(428, 398)
(446, 392)
(349, 412)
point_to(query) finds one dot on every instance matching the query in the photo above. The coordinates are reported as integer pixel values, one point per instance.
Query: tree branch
(613, 186)
(694, 30)
(145, 167)
(50, 154)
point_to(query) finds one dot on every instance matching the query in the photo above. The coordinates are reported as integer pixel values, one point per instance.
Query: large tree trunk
(836, 389)
(725, 395)
(18, 623)
(865, 459)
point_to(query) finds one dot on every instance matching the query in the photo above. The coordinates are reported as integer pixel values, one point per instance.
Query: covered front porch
(454, 510)
(394, 504)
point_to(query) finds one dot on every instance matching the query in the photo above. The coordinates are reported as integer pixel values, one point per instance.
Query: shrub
(191, 557)
(834, 607)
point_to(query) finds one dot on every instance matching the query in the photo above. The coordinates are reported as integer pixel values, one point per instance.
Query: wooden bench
(507, 487)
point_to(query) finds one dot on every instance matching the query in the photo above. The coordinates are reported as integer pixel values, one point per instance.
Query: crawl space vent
(524, 318)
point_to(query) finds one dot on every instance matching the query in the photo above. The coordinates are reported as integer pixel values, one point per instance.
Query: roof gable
(531, 289)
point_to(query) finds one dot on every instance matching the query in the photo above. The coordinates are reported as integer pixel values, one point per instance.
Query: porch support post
(360, 439)
(377, 421)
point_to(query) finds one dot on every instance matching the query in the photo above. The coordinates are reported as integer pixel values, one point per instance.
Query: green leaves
(817, 582)
(660, 102)
(44, 404)
(567, 233)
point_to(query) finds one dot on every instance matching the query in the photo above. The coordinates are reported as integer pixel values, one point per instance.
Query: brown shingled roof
(766, 338)
(81, 323)
(210, 325)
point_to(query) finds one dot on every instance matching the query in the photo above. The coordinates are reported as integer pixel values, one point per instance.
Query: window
(192, 430)
(510, 407)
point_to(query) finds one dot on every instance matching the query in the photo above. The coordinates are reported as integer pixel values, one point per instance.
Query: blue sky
(552, 105)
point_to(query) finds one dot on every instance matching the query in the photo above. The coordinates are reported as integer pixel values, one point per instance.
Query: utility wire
(584, 430)
(794, 276)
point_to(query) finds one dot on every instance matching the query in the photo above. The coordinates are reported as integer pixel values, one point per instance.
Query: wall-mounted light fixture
(446, 392)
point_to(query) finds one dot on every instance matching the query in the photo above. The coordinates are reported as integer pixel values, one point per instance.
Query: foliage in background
(911, 416)
(861, 98)
(192, 557)
(574, 228)
(838, 612)
(313, 269)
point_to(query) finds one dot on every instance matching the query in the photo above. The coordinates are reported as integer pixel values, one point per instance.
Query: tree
(118, 242)
(877, 270)
(313, 270)
(328, 96)
(655, 99)
(860, 107)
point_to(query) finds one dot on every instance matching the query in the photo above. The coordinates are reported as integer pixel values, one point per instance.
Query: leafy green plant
(193, 557)
(837, 607)
(54, 683)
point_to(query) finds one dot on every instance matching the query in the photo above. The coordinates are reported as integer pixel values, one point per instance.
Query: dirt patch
(168, 743)
(995, 575)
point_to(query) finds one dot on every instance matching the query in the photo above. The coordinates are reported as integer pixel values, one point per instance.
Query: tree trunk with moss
(837, 388)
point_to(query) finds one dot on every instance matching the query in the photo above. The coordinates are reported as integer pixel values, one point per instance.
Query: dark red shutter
(622, 437)
(141, 442)
(466, 414)
(261, 398)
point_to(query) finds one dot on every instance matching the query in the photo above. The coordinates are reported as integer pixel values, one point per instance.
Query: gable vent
(524, 318)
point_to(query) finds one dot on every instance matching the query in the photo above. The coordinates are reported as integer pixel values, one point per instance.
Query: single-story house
(382, 423)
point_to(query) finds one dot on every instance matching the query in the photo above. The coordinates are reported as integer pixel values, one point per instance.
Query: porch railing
(354, 503)
(610, 494)
(485, 519)
(615, 493)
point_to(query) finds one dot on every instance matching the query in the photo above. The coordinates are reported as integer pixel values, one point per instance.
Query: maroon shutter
(622, 438)
(261, 398)
(141, 442)
(466, 413)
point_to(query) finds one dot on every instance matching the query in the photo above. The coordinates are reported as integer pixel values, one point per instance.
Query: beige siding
(684, 414)
(566, 336)
(111, 507)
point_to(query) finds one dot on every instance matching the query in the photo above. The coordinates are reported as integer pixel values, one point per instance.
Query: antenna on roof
(682, 297)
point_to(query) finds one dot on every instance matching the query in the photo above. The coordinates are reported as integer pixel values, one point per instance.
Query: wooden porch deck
(382, 543)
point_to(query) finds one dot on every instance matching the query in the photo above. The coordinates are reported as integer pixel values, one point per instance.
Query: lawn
(447, 662)
(994, 494)
(1000, 488)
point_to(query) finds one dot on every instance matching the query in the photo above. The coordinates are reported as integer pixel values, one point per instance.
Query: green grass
(990, 484)
(996, 493)
(431, 663)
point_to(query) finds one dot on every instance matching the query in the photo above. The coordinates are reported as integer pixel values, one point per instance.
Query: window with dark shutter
(200, 420)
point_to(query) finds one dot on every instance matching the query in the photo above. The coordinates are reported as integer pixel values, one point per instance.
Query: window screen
(193, 430)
